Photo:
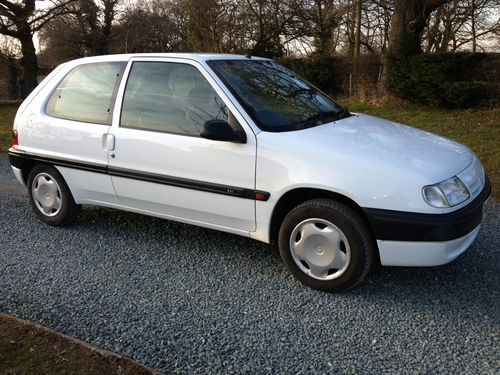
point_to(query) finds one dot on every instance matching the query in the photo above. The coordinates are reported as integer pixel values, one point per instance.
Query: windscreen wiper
(342, 113)
(321, 116)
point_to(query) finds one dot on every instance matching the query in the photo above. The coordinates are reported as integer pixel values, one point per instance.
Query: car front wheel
(326, 245)
(50, 197)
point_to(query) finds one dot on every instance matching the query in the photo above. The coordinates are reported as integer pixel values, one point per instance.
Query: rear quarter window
(87, 93)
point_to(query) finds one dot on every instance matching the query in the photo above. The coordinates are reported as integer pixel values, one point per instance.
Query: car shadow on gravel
(472, 278)
(156, 229)
(474, 273)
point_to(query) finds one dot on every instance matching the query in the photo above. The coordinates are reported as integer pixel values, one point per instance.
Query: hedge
(452, 80)
(332, 74)
(323, 72)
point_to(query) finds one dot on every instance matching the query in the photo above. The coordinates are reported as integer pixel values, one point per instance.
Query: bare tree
(152, 26)
(9, 69)
(205, 20)
(462, 23)
(20, 20)
(408, 23)
(376, 24)
(272, 24)
(85, 29)
(323, 19)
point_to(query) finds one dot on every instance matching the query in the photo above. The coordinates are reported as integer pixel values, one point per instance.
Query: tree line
(68, 29)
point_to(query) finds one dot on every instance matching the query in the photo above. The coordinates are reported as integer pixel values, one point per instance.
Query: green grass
(7, 113)
(479, 129)
(29, 349)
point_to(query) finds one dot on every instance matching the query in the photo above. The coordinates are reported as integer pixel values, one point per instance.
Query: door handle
(110, 142)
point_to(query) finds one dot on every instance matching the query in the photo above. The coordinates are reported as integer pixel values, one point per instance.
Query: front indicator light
(446, 193)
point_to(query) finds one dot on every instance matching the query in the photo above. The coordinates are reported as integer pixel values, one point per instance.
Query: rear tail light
(15, 143)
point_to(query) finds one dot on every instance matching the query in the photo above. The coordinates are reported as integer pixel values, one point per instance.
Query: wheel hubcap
(46, 194)
(320, 249)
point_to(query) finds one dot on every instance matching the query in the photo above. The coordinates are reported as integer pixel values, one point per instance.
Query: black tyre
(50, 197)
(326, 245)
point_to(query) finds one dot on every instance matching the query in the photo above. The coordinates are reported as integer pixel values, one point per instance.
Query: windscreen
(275, 98)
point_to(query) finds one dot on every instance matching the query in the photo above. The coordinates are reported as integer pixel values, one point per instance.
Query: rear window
(87, 93)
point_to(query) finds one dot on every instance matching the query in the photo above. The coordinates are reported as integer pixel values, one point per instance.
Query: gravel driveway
(188, 300)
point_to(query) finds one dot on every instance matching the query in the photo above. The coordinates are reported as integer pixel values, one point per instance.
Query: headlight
(447, 193)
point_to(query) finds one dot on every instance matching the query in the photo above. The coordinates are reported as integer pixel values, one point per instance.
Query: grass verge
(26, 348)
(7, 114)
(477, 128)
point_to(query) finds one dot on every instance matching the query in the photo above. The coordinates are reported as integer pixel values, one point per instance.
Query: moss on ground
(29, 349)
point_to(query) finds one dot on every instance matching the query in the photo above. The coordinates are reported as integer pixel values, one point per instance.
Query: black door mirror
(220, 130)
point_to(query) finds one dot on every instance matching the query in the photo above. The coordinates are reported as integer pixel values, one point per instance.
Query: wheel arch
(25, 165)
(294, 197)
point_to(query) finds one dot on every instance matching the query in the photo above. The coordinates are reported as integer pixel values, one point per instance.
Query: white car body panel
(75, 141)
(89, 187)
(189, 158)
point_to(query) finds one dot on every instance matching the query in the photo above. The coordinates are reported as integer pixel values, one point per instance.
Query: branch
(4, 30)
(252, 8)
(13, 7)
(478, 35)
(383, 6)
(49, 14)
(434, 4)
(7, 13)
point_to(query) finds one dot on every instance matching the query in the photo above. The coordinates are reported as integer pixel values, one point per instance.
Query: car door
(73, 129)
(161, 165)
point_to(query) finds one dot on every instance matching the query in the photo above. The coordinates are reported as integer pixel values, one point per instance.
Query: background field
(479, 128)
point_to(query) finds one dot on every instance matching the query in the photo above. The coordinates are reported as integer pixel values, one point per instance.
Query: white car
(242, 145)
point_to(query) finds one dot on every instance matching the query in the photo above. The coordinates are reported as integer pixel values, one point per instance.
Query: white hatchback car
(242, 145)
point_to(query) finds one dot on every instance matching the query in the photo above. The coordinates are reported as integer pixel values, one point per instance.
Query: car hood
(391, 144)
(375, 162)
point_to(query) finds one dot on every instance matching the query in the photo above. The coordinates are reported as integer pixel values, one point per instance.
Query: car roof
(201, 57)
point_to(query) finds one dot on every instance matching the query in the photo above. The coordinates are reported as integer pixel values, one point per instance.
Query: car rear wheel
(326, 245)
(50, 197)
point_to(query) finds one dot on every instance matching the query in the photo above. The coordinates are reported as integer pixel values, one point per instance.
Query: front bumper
(391, 225)
(416, 239)
(422, 254)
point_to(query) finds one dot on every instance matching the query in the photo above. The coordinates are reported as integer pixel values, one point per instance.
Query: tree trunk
(473, 25)
(322, 36)
(357, 45)
(351, 29)
(29, 65)
(408, 23)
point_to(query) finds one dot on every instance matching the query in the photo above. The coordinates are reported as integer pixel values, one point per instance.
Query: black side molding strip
(19, 160)
(190, 184)
(407, 226)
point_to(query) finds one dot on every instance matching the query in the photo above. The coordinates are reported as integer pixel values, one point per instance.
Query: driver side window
(169, 97)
